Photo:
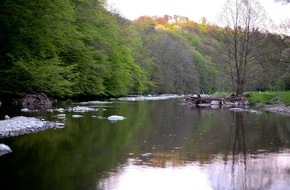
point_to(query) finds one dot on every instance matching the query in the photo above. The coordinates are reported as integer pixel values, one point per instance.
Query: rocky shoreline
(21, 125)
(279, 109)
(203, 100)
(234, 102)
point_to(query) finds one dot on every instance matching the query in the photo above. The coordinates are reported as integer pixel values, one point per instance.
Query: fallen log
(233, 100)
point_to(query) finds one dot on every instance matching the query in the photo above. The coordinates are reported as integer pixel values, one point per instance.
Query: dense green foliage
(76, 48)
(65, 48)
(282, 97)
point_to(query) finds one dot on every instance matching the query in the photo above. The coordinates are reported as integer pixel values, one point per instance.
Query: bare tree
(238, 41)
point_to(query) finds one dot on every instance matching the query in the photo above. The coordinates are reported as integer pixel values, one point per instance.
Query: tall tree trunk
(240, 87)
(242, 19)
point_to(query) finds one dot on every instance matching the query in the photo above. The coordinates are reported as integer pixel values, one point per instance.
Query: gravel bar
(21, 125)
(280, 109)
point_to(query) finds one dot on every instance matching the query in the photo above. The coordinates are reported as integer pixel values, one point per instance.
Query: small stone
(4, 149)
(77, 116)
(60, 116)
(116, 118)
(59, 110)
(25, 110)
(215, 102)
(238, 110)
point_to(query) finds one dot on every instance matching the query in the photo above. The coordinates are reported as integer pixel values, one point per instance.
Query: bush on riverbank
(269, 97)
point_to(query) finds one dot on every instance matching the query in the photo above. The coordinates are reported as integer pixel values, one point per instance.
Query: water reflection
(257, 171)
(245, 170)
(225, 150)
(145, 178)
(160, 145)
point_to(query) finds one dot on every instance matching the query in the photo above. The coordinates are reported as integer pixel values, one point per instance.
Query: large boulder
(36, 101)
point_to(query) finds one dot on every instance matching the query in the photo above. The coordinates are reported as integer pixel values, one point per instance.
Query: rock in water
(60, 116)
(4, 149)
(116, 118)
(36, 101)
(77, 116)
(23, 125)
(238, 110)
(215, 102)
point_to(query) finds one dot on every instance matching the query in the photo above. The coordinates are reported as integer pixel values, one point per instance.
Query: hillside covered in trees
(72, 48)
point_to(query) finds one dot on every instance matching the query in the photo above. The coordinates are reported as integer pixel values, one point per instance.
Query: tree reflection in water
(159, 146)
(244, 170)
(239, 148)
(224, 151)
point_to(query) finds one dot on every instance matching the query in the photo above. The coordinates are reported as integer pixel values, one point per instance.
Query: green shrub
(270, 97)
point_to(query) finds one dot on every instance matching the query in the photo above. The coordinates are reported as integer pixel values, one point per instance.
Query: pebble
(116, 118)
(77, 109)
(25, 110)
(81, 109)
(60, 116)
(77, 116)
(4, 149)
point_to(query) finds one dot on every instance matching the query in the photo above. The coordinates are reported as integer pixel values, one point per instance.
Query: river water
(160, 145)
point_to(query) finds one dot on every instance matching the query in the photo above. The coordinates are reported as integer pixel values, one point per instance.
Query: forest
(80, 49)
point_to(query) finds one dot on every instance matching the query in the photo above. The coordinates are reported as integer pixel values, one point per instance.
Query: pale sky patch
(193, 9)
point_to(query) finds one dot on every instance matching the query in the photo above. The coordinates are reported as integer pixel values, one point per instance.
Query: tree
(175, 69)
(104, 61)
(285, 52)
(34, 38)
(238, 41)
(283, 1)
(174, 60)
(142, 36)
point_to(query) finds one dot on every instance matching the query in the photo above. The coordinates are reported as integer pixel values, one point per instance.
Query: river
(161, 144)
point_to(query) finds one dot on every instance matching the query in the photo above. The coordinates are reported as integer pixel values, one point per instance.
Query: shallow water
(160, 145)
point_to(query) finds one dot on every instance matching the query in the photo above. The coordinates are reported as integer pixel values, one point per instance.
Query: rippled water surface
(160, 145)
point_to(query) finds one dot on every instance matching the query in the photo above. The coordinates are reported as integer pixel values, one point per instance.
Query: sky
(193, 9)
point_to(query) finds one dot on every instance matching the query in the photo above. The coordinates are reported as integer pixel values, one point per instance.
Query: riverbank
(21, 125)
(279, 109)
(276, 102)
(269, 98)
(25, 125)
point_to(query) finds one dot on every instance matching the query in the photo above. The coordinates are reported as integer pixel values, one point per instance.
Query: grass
(269, 97)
